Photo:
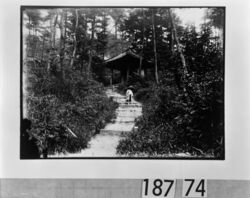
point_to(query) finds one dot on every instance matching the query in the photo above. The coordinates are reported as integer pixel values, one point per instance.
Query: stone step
(123, 122)
(119, 126)
(125, 105)
(128, 110)
(129, 103)
(135, 115)
(126, 114)
(113, 132)
(115, 95)
(119, 118)
(118, 97)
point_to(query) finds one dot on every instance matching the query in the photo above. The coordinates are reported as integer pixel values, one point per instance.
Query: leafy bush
(187, 116)
(57, 107)
(170, 125)
(143, 94)
(121, 88)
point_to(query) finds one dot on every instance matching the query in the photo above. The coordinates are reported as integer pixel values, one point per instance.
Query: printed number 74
(194, 188)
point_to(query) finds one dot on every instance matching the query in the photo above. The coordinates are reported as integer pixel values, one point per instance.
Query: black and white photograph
(122, 82)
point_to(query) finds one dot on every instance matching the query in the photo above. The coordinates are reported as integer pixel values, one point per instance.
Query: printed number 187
(158, 188)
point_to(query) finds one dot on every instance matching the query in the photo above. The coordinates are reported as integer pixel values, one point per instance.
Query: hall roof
(127, 53)
(126, 58)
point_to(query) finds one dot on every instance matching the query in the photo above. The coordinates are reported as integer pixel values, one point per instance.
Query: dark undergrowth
(65, 113)
(170, 124)
(181, 115)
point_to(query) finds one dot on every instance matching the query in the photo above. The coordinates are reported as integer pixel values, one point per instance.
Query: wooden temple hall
(127, 63)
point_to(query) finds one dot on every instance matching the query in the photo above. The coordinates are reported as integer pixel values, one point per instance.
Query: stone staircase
(126, 114)
(104, 144)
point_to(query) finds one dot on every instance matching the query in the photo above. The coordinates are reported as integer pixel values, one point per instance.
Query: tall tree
(216, 17)
(102, 33)
(54, 30)
(53, 16)
(155, 49)
(91, 51)
(83, 38)
(117, 14)
(62, 26)
(183, 61)
(34, 19)
(143, 40)
(75, 40)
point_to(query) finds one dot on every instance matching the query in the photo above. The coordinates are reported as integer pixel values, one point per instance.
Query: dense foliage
(182, 93)
(182, 115)
(62, 98)
(57, 108)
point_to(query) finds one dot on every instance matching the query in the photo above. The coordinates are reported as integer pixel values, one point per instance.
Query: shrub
(184, 114)
(57, 107)
(172, 123)
(143, 94)
(122, 88)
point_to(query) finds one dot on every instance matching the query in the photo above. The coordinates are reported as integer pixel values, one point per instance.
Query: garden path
(104, 144)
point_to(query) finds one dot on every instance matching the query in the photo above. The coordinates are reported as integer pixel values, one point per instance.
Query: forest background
(64, 69)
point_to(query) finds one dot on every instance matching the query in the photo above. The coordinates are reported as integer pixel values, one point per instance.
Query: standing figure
(129, 94)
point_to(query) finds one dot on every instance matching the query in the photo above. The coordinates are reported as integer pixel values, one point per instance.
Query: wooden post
(122, 76)
(112, 76)
(127, 72)
(142, 73)
(145, 72)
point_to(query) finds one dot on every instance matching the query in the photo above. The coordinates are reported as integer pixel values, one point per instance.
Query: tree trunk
(143, 35)
(183, 61)
(29, 41)
(43, 48)
(62, 44)
(75, 41)
(29, 26)
(84, 66)
(122, 44)
(53, 23)
(92, 44)
(35, 48)
(54, 31)
(155, 50)
(90, 61)
(104, 22)
(65, 27)
(116, 29)
(171, 43)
